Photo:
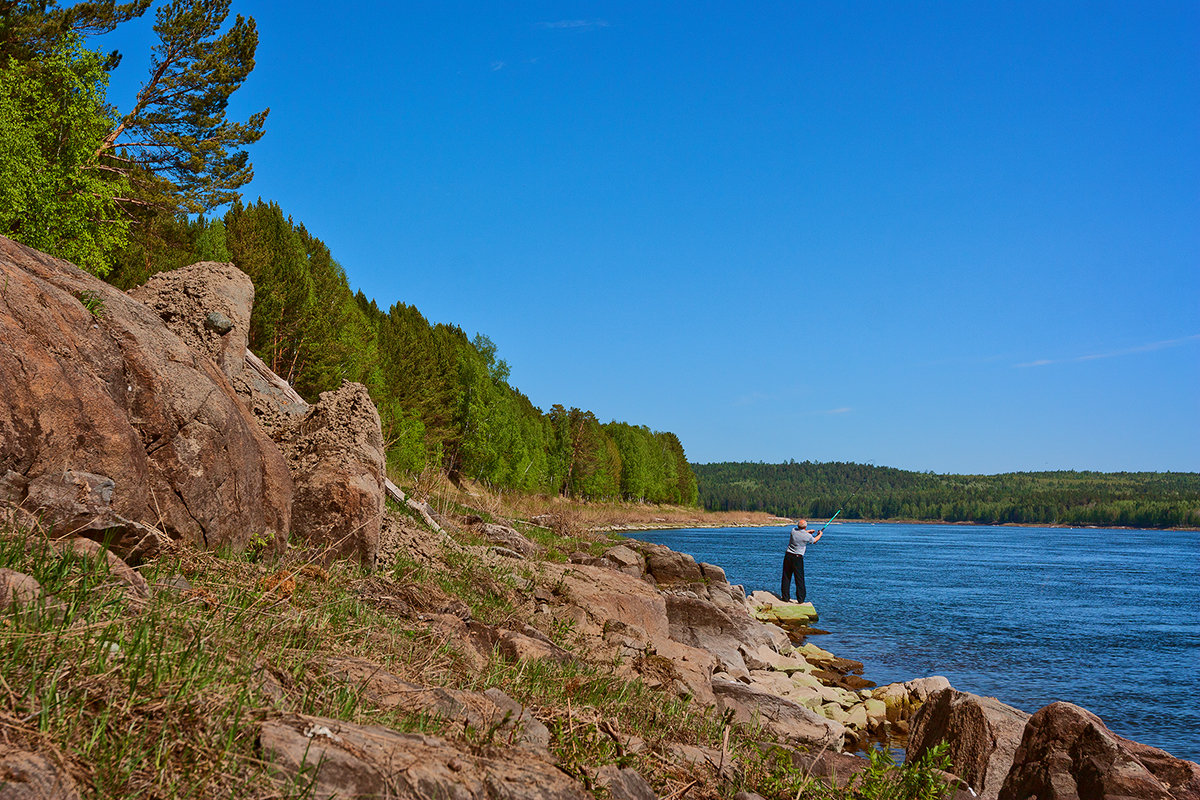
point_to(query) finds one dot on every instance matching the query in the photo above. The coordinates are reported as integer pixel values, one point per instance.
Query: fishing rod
(839, 511)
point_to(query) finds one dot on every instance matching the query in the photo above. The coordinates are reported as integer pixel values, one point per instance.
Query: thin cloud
(842, 410)
(1128, 351)
(498, 65)
(574, 24)
(752, 399)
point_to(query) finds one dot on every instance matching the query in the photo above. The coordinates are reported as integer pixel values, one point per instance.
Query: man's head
(802, 523)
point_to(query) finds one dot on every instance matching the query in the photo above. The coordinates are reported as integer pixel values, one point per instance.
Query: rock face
(107, 390)
(982, 732)
(357, 761)
(1067, 753)
(336, 457)
(334, 449)
(722, 630)
(207, 305)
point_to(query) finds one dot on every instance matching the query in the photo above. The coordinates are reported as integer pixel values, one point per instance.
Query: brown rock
(17, 588)
(625, 559)
(82, 504)
(982, 734)
(351, 762)
(780, 718)
(692, 670)
(135, 584)
(1067, 753)
(31, 776)
(114, 394)
(603, 594)
(336, 458)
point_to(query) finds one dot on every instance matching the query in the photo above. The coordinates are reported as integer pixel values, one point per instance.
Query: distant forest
(127, 193)
(807, 489)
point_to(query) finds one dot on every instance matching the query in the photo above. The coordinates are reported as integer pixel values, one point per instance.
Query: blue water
(1106, 619)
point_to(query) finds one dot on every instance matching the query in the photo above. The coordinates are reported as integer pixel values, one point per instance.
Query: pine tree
(177, 129)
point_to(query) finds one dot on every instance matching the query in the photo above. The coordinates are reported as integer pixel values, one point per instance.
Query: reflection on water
(1106, 619)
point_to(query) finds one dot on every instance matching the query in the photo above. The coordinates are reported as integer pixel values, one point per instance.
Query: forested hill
(128, 193)
(1139, 499)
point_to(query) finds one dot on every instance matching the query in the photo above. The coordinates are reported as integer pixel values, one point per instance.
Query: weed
(93, 302)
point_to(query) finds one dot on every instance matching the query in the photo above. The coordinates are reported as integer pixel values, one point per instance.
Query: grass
(162, 698)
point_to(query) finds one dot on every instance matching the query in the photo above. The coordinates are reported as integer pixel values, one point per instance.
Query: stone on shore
(1067, 753)
(982, 734)
(779, 717)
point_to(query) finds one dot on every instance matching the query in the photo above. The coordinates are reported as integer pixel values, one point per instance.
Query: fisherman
(793, 560)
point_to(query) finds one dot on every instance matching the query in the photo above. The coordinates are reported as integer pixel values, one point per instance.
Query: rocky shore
(353, 650)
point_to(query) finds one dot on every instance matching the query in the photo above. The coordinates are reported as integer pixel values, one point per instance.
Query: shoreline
(665, 526)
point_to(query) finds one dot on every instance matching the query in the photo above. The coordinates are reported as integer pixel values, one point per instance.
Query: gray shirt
(801, 538)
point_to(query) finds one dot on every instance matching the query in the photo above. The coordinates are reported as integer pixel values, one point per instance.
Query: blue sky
(958, 237)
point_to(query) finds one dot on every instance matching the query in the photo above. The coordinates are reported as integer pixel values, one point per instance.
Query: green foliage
(177, 128)
(1136, 499)
(93, 302)
(29, 29)
(53, 195)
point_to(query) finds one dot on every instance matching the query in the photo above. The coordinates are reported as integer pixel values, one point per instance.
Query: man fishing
(793, 560)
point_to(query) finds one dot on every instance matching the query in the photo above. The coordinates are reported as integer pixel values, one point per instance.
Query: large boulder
(1067, 753)
(349, 762)
(722, 630)
(603, 595)
(95, 383)
(667, 566)
(982, 734)
(780, 718)
(335, 453)
(208, 305)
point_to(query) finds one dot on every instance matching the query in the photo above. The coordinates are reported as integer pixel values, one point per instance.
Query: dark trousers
(792, 565)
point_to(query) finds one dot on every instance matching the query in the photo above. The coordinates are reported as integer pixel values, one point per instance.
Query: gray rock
(780, 718)
(31, 776)
(491, 711)
(356, 762)
(624, 784)
(510, 539)
(721, 630)
(218, 323)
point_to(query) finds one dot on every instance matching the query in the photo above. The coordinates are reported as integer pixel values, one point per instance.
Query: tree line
(818, 490)
(127, 194)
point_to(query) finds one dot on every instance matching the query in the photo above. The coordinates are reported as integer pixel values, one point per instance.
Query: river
(1107, 619)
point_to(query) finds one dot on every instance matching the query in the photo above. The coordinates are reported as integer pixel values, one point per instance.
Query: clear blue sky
(958, 237)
